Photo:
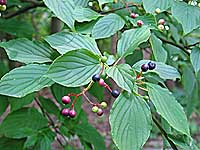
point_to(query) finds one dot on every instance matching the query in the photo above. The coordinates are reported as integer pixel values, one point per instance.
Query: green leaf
(17, 103)
(26, 51)
(85, 14)
(22, 123)
(159, 52)
(3, 104)
(101, 2)
(17, 28)
(24, 80)
(11, 144)
(30, 141)
(123, 76)
(130, 120)
(163, 70)
(63, 9)
(82, 3)
(107, 26)
(74, 68)
(195, 58)
(67, 41)
(187, 15)
(131, 39)
(167, 106)
(89, 134)
(151, 5)
(49, 106)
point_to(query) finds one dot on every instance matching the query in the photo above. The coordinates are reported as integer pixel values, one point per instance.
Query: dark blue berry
(144, 67)
(96, 77)
(151, 65)
(115, 93)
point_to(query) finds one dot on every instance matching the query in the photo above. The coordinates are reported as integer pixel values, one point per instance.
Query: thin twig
(23, 10)
(51, 122)
(164, 133)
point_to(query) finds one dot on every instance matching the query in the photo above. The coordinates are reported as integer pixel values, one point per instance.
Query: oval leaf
(67, 41)
(151, 5)
(131, 39)
(159, 52)
(130, 121)
(167, 106)
(107, 26)
(63, 9)
(24, 80)
(195, 58)
(187, 15)
(123, 76)
(22, 123)
(26, 51)
(163, 70)
(74, 68)
(85, 14)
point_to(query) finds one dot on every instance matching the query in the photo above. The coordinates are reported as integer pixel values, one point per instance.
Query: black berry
(115, 93)
(151, 65)
(96, 77)
(145, 67)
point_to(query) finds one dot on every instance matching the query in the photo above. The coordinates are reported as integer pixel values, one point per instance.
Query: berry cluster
(161, 25)
(149, 66)
(96, 107)
(66, 111)
(139, 22)
(96, 78)
(3, 5)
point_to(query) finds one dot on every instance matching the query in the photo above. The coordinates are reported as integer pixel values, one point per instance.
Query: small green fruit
(103, 105)
(157, 10)
(104, 59)
(2, 7)
(95, 109)
(146, 97)
(161, 27)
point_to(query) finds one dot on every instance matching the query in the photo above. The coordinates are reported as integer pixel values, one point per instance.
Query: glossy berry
(151, 65)
(65, 112)
(133, 15)
(104, 59)
(140, 23)
(95, 109)
(100, 112)
(166, 28)
(3, 2)
(145, 67)
(96, 77)
(161, 27)
(115, 93)
(157, 10)
(103, 105)
(66, 99)
(161, 21)
(72, 113)
(101, 82)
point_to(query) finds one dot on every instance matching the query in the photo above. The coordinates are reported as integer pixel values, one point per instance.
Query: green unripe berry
(157, 10)
(95, 109)
(104, 59)
(2, 7)
(146, 97)
(103, 105)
